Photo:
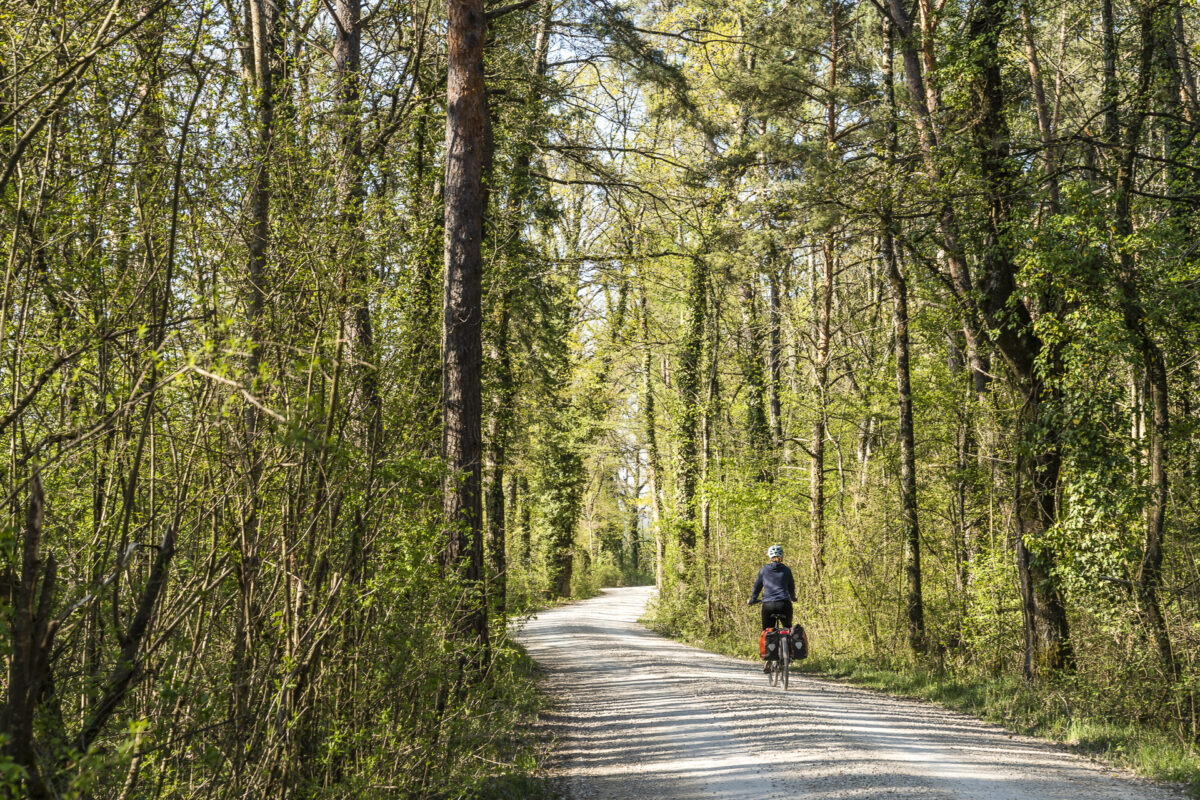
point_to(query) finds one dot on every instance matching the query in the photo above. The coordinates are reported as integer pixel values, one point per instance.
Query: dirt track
(643, 717)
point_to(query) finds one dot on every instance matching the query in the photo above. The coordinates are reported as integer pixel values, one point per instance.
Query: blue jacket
(776, 584)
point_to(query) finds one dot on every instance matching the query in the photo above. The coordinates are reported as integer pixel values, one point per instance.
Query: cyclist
(778, 589)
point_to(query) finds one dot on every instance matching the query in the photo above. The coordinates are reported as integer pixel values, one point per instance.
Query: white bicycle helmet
(774, 551)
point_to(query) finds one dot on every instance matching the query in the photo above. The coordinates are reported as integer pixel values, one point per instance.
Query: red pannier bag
(798, 642)
(768, 645)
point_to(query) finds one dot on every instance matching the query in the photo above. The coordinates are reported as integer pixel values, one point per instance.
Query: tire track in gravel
(640, 716)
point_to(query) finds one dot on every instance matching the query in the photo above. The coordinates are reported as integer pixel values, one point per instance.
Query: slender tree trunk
(1041, 107)
(758, 432)
(774, 352)
(499, 424)
(1189, 95)
(462, 446)
(351, 194)
(822, 312)
(689, 424)
(500, 421)
(915, 608)
(822, 320)
(651, 437)
(635, 515)
(428, 258)
(264, 62)
(914, 604)
(710, 413)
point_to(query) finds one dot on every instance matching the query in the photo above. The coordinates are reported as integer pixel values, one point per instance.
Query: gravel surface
(640, 716)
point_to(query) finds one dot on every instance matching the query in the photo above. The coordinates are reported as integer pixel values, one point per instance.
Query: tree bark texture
(462, 315)
(909, 521)
(265, 66)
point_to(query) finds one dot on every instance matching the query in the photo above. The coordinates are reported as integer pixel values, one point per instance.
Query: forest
(337, 337)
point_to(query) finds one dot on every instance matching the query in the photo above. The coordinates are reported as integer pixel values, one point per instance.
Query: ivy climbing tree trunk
(1157, 69)
(690, 373)
(650, 432)
(758, 430)
(1048, 646)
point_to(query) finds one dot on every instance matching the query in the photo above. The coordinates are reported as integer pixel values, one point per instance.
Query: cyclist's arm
(758, 587)
(791, 586)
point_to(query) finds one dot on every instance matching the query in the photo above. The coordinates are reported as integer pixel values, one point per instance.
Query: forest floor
(640, 716)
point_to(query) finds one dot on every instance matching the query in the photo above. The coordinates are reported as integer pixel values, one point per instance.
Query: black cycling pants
(781, 609)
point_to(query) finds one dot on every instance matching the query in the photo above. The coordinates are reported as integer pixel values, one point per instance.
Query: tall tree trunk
(821, 322)
(758, 432)
(351, 194)
(822, 313)
(690, 371)
(499, 424)
(710, 412)
(1047, 635)
(914, 604)
(1041, 107)
(462, 446)
(651, 438)
(501, 418)
(264, 64)
(524, 517)
(1156, 71)
(774, 351)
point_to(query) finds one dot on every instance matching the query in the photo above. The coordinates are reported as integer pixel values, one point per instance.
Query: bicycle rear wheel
(783, 669)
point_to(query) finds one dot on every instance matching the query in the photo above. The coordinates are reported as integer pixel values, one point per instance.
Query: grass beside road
(1051, 711)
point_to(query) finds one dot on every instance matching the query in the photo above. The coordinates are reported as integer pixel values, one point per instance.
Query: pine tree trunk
(462, 446)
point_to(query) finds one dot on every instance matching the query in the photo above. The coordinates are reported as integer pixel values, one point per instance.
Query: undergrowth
(510, 766)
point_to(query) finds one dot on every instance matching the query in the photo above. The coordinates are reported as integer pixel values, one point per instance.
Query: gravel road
(644, 717)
